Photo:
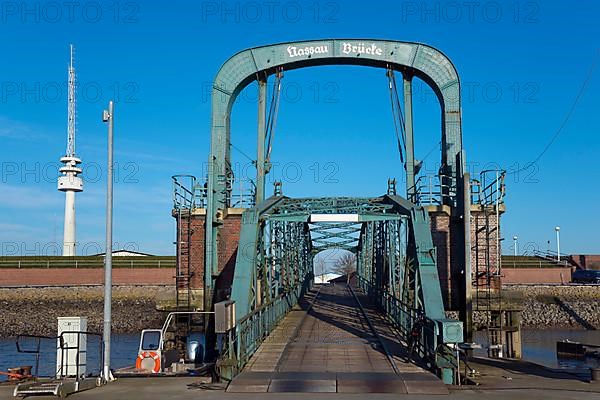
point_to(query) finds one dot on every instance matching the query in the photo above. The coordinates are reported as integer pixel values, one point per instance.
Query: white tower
(69, 182)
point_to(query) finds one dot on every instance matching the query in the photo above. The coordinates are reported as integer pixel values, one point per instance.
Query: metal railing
(404, 318)
(190, 193)
(433, 190)
(489, 189)
(242, 193)
(36, 351)
(534, 262)
(430, 190)
(554, 257)
(256, 327)
(538, 259)
(84, 262)
(184, 187)
(62, 369)
(252, 330)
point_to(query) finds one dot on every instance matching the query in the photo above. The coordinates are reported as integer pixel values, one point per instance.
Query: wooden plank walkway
(329, 348)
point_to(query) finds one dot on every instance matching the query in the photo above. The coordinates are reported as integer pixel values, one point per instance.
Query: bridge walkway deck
(327, 345)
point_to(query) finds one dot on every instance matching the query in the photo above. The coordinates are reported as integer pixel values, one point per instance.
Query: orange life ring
(148, 354)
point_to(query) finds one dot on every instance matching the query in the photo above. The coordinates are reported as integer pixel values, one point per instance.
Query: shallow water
(123, 353)
(539, 346)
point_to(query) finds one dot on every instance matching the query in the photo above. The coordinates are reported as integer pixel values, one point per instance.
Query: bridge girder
(396, 265)
(274, 262)
(256, 64)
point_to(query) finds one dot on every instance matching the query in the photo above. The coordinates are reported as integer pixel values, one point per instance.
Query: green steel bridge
(390, 235)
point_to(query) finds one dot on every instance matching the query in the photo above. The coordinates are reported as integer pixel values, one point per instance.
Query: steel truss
(395, 265)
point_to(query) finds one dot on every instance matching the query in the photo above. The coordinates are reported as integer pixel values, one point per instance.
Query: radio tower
(69, 181)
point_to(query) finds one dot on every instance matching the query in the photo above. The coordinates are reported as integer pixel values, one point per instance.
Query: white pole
(108, 116)
(515, 244)
(69, 229)
(557, 229)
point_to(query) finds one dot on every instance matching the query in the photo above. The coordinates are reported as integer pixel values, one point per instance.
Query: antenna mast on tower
(72, 115)
(69, 181)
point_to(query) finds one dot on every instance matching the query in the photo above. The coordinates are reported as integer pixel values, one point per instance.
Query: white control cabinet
(71, 359)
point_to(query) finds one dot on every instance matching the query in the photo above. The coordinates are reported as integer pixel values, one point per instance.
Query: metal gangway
(71, 375)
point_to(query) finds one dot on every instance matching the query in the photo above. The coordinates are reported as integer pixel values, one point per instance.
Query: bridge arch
(411, 59)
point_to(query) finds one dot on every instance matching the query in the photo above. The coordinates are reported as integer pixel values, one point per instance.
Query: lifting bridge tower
(69, 181)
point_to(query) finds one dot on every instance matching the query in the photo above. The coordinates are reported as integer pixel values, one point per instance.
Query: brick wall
(586, 261)
(483, 225)
(85, 276)
(536, 275)
(440, 234)
(228, 238)
(446, 235)
(195, 250)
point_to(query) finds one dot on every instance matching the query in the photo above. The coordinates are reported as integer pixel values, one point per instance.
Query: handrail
(244, 195)
(253, 328)
(37, 350)
(183, 197)
(432, 189)
(167, 322)
(189, 193)
(62, 370)
(64, 367)
(392, 305)
(26, 262)
(488, 189)
(535, 263)
(494, 191)
(553, 257)
(404, 318)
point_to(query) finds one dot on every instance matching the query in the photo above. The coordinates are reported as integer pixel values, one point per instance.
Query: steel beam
(261, 133)
(408, 130)
(467, 316)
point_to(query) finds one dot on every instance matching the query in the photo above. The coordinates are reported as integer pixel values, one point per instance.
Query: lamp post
(557, 229)
(515, 244)
(108, 117)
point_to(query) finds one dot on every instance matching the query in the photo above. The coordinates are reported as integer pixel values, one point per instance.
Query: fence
(83, 262)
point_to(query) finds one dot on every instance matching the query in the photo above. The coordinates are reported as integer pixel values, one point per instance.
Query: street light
(557, 229)
(515, 243)
(108, 117)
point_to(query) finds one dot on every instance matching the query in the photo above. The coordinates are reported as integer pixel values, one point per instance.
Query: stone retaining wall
(552, 306)
(35, 310)
(571, 306)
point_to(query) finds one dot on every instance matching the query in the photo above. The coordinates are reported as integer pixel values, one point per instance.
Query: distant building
(124, 253)
(324, 278)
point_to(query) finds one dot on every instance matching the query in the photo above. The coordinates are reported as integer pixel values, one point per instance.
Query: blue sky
(521, 65)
